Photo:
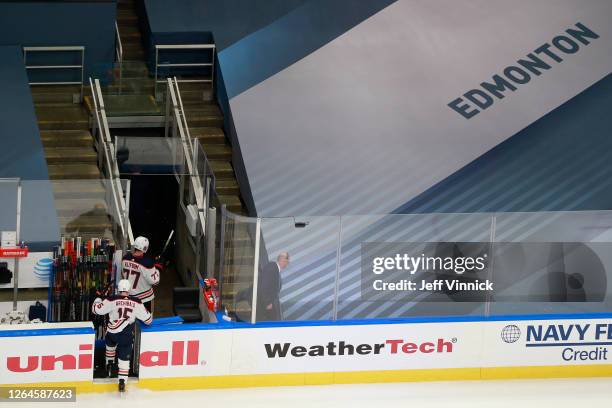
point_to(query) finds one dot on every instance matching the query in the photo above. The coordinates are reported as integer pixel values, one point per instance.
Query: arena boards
(193, 356)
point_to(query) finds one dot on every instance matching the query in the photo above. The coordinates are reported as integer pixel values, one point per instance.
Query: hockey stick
(166, 244)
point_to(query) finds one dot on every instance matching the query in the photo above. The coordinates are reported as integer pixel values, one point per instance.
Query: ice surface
(556, 393)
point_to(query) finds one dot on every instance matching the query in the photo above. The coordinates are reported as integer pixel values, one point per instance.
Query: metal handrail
(187, 144)
(119, 54)
(175, 111)
(183, 118)
(74, 48)
(173, 83)
(108, 160)
(209, 47)
(118, 45)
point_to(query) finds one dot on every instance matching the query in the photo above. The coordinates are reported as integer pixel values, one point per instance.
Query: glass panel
(202, 166)
(236, 265)
(128, 89)
(435, 236)
(131, 105)
(88, 208)
(557, 262)
(150, 155)
(300, 287)
(8, 204)
(74, 208)
(8, 222)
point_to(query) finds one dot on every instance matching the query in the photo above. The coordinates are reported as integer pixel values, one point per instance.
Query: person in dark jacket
(268, 289)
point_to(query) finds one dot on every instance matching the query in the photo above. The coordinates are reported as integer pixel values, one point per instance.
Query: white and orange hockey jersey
(122, 311)
(142, 274)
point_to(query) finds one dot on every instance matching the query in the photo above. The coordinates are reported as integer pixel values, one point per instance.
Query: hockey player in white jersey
(123, 310)
(142, 272)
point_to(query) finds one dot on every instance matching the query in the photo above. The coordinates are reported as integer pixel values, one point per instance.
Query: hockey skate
(110, 369)
(121, 385)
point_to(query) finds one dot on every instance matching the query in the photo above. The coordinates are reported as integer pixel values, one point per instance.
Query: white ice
(558, 393)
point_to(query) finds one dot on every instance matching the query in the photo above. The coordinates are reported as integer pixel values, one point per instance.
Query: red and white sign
(39, 358)
(13, 252)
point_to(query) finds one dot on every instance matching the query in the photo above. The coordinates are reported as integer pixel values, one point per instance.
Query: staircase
(205, 121)
(78, 190)
(203, 113)
(127, 21)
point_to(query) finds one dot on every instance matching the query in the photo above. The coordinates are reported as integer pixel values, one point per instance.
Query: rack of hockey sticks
(82, 270)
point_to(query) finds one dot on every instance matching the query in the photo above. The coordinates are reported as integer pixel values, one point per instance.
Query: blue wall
(228, 20)
(22, 156)
(91, 24)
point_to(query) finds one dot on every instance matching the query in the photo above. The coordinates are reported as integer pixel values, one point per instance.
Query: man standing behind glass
(269, 286)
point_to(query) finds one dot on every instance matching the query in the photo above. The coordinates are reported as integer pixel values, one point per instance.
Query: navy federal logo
(510, 334)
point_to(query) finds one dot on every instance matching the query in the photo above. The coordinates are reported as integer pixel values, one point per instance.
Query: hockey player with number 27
(142, 272)
(123, 310)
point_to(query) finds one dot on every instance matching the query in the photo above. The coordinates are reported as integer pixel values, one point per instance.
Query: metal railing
(202, 186)
(107, 162)
(175, 47)
(176, 126)
(119, 54)
(80, 66)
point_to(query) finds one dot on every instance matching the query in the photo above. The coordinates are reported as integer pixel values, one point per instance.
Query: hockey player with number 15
(123, 310)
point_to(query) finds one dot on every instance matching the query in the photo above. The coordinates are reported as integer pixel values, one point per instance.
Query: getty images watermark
(392, 270)
(485, 271)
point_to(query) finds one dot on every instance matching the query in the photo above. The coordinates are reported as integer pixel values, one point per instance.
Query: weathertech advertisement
(473, 343)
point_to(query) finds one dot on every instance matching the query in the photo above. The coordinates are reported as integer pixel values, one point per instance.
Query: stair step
(73, 171)
(134, 53)
(227, 187)
(132, 47)
(125, 17)
(55, 104)
(205, 120)
(85, 223)
(208, 135)
(133, 69)
(241, 273)
(222, 168)
(54, 93)
(126, 5)
(79, 206)
(245, 243)
(68, 138)
(129, 30)
(51, 117)
(134, 40)
(59, 155)
(64, 189)
(188, 84)
(202, 109)
(196, 91)
(231, 289)
(131, 86)
(239, 259)
(218, 151)
(232, 202)
(131, 40)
